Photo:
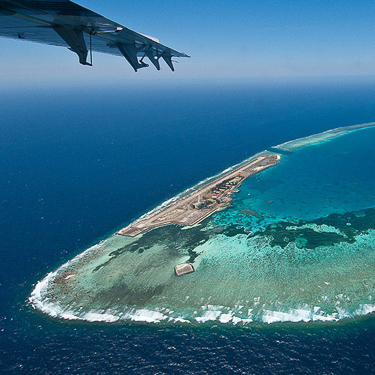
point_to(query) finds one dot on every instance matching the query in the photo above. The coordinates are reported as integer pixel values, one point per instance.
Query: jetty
(201, 203)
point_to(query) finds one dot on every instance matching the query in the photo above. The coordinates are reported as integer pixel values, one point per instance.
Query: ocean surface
(76, 168)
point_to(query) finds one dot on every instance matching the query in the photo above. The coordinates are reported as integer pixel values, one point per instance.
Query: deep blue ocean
(77, 165)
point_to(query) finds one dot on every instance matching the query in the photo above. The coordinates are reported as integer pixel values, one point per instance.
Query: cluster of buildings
(219, 194)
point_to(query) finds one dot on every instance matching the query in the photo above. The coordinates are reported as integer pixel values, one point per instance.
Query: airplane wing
(67, 24)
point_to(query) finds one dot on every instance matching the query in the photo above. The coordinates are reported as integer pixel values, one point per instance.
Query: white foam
(144, 315)
(307, 315)
(181, 320)
(69, 316)
(365, 309)
(100, 317)
(293, 315)
(227, 170)
(325, 318)
(36, 297)
(303, 313)
(208, 316)
(226, 318)
(246, 321)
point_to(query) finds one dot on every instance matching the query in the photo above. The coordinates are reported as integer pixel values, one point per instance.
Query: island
(203, 202)
(220, 252)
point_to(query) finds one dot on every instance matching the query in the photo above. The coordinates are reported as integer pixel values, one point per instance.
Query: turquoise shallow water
(315, 181)
(147, 140)
(297, 244)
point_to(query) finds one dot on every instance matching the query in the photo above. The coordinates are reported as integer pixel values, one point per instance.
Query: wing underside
(67, 24)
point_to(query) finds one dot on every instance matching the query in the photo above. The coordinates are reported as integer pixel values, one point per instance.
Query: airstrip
(203, 202)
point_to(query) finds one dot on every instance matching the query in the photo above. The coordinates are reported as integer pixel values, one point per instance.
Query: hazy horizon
(236, 41)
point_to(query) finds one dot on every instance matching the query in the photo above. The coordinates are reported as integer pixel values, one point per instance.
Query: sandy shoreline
(203, 202)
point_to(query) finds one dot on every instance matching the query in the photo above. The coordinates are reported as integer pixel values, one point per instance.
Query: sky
(226, 40)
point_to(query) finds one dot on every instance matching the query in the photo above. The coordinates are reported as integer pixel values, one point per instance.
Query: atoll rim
(297, 244)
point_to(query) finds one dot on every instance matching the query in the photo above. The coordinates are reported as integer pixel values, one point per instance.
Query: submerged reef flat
(321, 137)
(296, 243)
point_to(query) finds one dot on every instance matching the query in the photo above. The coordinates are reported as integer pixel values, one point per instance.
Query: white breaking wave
(304, 313)
(240, 313)
(208, 315)
(40, 300)
(38, 297)
(148, 316)
(100, 317)
(219, 314)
